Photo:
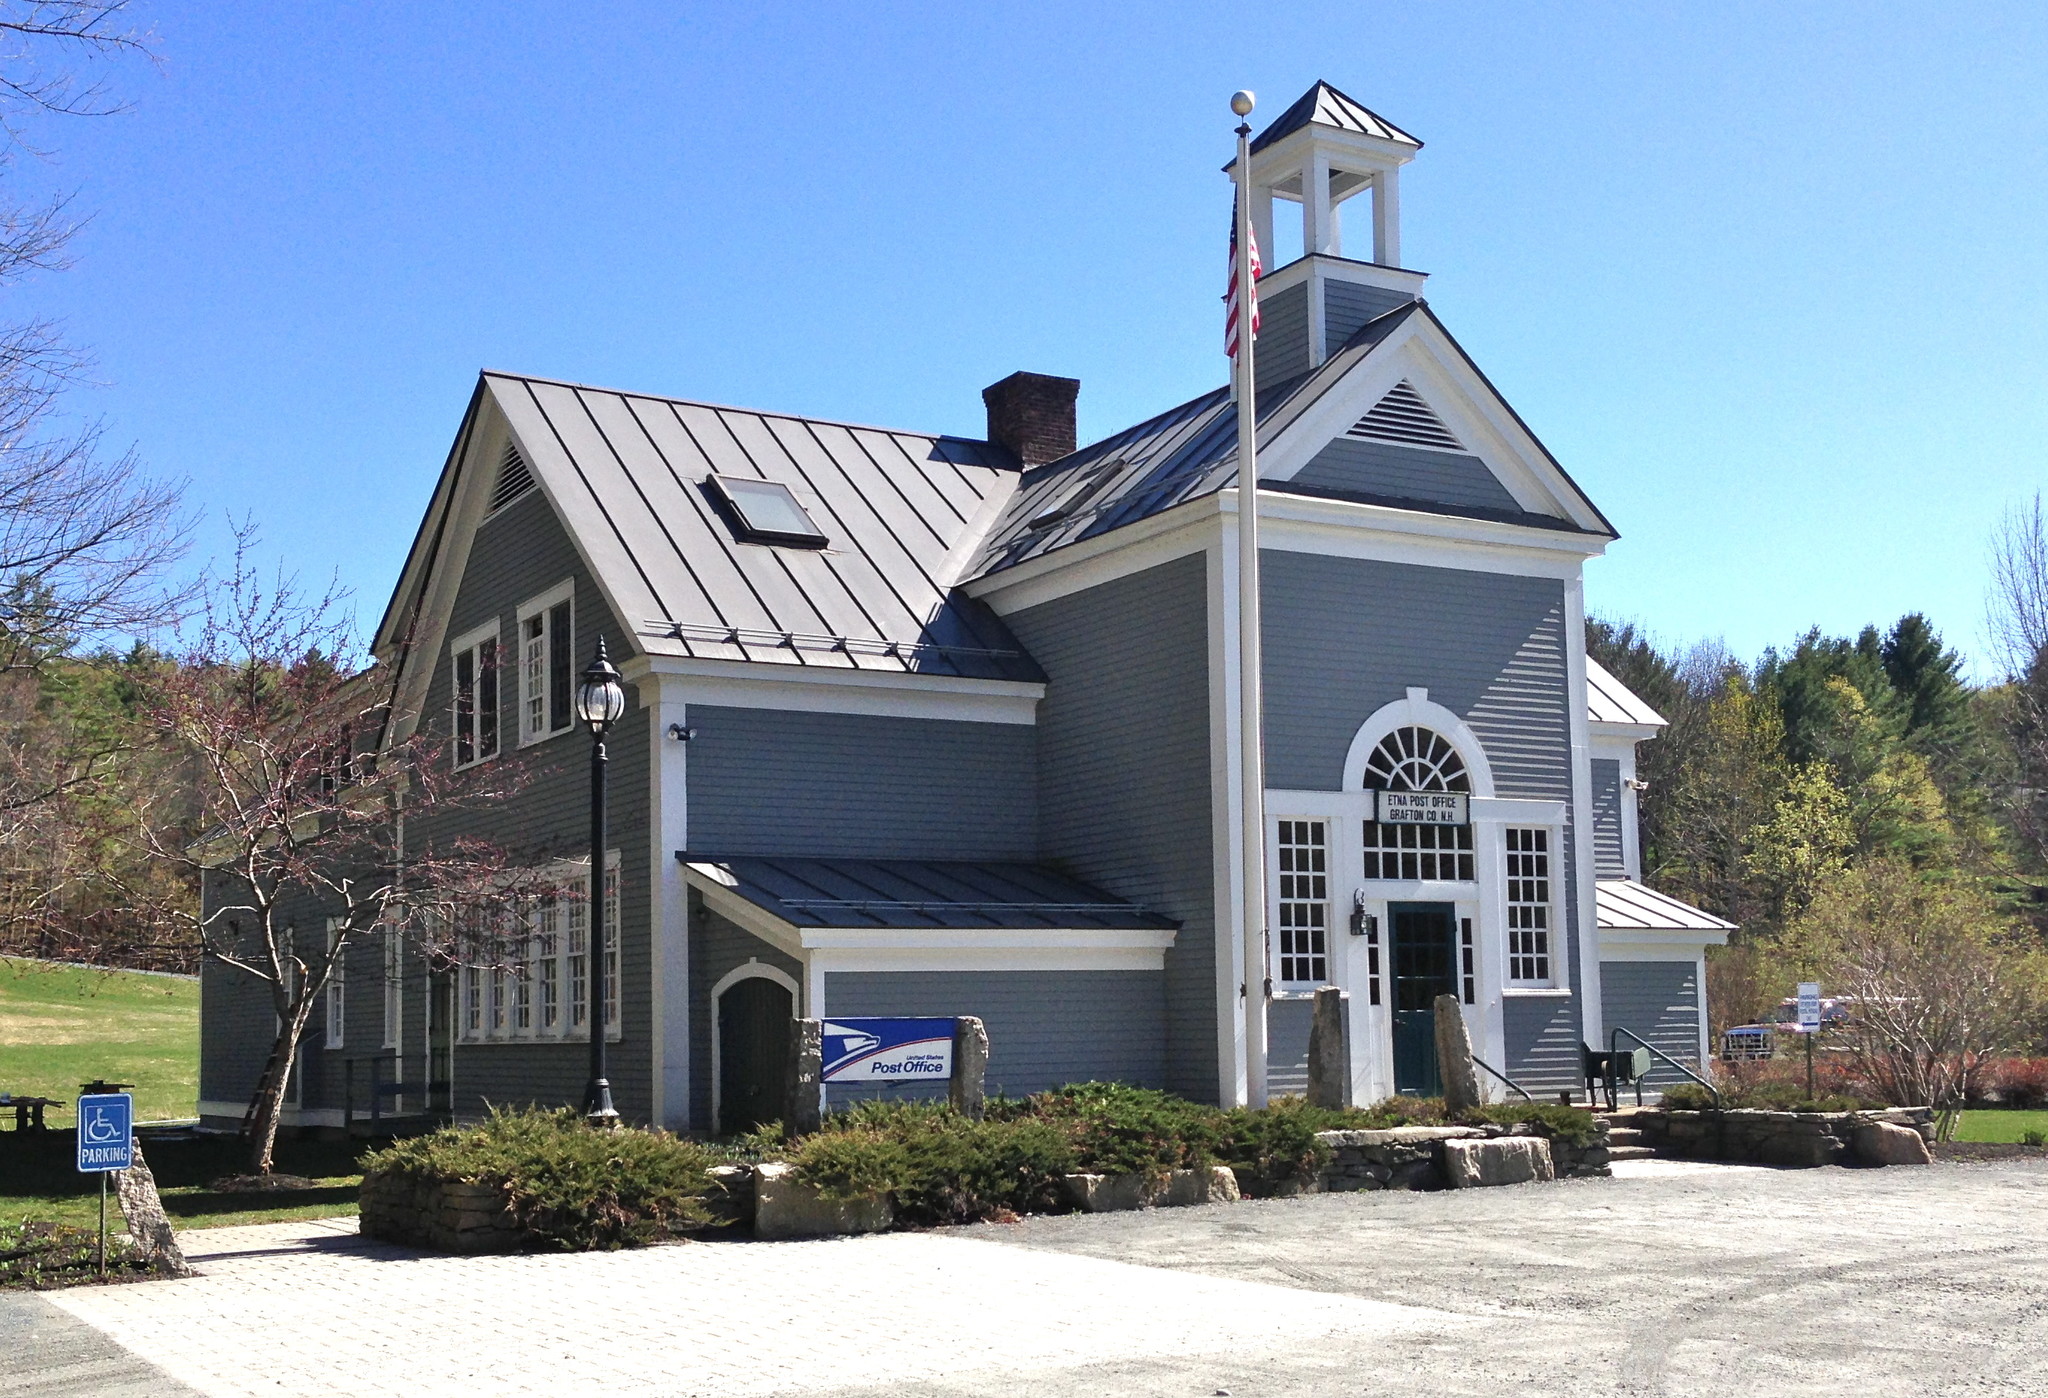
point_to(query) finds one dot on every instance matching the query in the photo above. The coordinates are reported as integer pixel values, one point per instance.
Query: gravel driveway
(1679, 1280)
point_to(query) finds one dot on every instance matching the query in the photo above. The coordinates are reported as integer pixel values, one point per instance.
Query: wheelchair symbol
(102, 1126)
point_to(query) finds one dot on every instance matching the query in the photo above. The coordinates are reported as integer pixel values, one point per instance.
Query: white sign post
(1809, 1025)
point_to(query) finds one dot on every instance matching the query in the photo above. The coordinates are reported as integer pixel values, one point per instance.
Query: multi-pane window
(1441, 852)
(1528, 868)
(476, 696)
(1304, 902)
(1416, 759)
(546, 666)
(337, 983)
(529, 977)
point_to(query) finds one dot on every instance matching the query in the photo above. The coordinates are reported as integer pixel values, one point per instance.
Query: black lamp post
(600, 702)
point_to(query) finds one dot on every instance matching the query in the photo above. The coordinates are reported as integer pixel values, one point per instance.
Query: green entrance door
(1423, 943)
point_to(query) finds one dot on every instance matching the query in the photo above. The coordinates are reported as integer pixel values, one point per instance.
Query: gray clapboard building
(922, 725)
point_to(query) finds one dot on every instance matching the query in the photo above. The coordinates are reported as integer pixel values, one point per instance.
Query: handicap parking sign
(106, 1132)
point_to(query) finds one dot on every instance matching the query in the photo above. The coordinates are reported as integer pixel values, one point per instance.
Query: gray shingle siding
(518, 554)
(1608, 860)
(822, 785)
(1348, 305)
(718, 947)
(1658, 1000)
(1542, 1042)
(1344, 636)
(1287, 1026)
(1123, 787)
(1045, 1028)
(1283, 348)
(237, 1028)
(1357, 467)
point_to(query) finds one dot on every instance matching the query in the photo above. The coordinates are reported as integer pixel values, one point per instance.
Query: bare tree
(2017, 620)
(295, 812)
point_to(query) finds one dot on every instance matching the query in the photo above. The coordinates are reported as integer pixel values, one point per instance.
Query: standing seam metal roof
(907, 893)
(1325, 106)
(900, 509)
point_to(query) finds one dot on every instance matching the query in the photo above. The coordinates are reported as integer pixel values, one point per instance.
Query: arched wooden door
(753, 1053)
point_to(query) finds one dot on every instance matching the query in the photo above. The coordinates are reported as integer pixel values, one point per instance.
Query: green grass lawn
(61, 1026)
(2000, 1125)
(39, 1180)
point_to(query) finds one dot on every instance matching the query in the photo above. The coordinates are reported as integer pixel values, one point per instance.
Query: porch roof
(1625, 905)
(919, 893)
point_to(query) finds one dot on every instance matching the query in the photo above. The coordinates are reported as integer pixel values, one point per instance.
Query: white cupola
(1321, 153)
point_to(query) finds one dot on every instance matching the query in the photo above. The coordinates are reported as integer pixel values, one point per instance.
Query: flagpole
(1250, 699)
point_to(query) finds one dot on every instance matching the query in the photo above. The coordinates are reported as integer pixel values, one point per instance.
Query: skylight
(766, 512)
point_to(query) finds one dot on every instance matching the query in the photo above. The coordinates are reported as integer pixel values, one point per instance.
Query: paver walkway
(288, 1309)
(1679, 1279)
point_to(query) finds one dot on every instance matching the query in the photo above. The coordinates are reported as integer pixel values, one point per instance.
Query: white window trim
(564, 591)
(336, 989)
(1554, 956)
(468, 641)
(1284, 989)
(393, 987)
(483, 981)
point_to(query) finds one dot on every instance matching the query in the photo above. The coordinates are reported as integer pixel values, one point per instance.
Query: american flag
(1230, 296)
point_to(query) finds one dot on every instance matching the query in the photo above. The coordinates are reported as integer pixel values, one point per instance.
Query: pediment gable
(1409, 418)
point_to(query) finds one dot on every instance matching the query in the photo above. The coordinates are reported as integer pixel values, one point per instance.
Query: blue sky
(1769, 279)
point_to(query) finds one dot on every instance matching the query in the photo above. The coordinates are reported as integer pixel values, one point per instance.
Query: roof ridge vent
(1403, 417)
(514, 479)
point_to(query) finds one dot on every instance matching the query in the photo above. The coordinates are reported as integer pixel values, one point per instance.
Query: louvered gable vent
(514, 480)
(1403, 417)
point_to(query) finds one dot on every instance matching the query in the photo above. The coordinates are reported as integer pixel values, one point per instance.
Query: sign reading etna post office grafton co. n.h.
(887, 1050)
(1424, 808)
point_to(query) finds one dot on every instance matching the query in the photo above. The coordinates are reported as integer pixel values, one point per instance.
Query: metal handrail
(1655, 1052)
(1478, 1062)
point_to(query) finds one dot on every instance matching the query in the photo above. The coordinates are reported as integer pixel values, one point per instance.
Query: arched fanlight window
(1415, 759)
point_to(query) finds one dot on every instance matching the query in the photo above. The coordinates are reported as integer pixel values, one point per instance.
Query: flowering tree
(1936, 980)
(296, 792)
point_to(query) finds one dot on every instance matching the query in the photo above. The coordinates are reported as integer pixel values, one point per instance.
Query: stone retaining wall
(1412, 1157)
(441, 1215)
(1772, 1138)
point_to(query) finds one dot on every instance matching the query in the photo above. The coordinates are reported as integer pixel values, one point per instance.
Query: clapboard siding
(1344, 636)
(1045, 1028)
(1608, 860)
(238, 1023)
(1287, 1026)
(1658, 1000)
(1123, 793)
(1542, 1042)
(1347, 305)
(718, 947)
(518, 554)
(1384, 470)
(822, 785)
(1282, 352)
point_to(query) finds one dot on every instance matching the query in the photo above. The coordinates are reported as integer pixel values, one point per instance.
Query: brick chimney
(1032, 415)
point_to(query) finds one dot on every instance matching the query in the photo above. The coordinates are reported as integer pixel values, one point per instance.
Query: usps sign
(106, 1132)
(888, 1050)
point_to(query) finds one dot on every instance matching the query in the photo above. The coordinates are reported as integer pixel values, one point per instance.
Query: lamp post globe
(600, 702)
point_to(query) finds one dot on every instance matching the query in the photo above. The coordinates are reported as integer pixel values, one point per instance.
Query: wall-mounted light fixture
(680, 733)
